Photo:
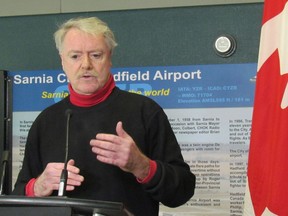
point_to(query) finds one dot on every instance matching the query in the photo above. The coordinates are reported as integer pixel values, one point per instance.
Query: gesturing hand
(50, 178)
(120, 150)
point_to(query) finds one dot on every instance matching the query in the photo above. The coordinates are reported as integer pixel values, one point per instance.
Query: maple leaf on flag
(274, 37)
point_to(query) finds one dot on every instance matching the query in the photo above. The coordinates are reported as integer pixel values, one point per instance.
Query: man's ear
(61, 57)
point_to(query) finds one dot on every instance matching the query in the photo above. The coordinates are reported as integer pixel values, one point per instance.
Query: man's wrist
(151, 172)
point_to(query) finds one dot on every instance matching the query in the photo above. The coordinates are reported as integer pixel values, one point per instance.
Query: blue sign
(192, 86)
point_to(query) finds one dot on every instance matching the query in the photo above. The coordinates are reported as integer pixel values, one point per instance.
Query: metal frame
(6, 128)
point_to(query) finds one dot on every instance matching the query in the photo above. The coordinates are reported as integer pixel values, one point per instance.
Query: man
(121, 145)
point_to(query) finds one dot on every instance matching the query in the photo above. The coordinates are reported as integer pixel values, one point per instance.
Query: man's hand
(50, 178)
(120, 150)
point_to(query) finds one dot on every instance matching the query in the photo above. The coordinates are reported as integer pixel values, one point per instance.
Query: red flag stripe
(272, 8)
(268, 154)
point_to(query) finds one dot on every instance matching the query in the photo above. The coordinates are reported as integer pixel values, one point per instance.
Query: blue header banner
(192, 86)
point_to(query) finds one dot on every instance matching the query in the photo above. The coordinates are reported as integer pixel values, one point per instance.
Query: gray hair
(92, 25)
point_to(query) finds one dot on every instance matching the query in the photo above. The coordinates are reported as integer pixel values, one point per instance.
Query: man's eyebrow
(90, 51)
(74, 51)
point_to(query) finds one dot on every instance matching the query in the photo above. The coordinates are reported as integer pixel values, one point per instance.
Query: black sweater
(144, 120)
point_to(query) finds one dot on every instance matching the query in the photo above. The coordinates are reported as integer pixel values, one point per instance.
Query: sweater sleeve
(173, 183)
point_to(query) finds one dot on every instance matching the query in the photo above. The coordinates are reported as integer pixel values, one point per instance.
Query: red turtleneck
(93, 99)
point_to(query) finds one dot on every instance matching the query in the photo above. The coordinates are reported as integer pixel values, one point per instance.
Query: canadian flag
(267, 185)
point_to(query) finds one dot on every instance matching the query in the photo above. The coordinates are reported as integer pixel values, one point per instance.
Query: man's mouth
(87, 76)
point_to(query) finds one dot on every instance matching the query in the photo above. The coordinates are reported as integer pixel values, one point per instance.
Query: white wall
(36, 7)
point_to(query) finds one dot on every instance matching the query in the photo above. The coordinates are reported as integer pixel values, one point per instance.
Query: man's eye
(96, 55)
(74, 56)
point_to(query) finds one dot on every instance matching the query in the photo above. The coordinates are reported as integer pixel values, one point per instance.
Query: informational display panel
(209, 108)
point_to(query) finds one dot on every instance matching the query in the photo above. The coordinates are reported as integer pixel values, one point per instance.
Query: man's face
(86, 60)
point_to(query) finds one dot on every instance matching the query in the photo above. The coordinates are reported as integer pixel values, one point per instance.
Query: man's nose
(86, 63)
